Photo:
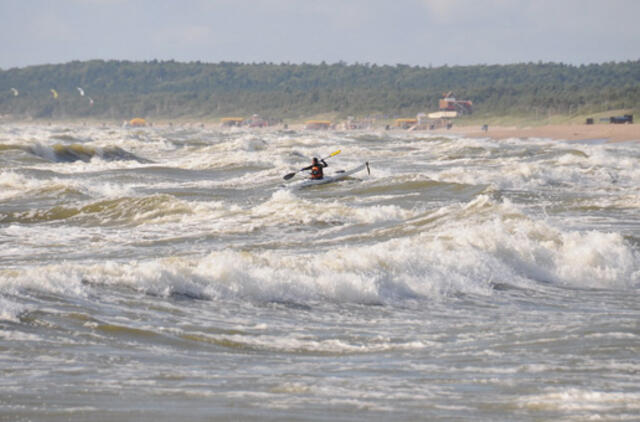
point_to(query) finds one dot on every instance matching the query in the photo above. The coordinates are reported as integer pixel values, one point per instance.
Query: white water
(463, 278)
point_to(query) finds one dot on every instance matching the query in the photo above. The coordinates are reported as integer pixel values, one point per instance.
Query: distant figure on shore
(485, 127)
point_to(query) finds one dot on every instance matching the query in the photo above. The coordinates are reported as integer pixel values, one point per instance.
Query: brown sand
(610, 132)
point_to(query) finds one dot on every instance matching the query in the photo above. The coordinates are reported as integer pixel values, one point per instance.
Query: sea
(171, 273)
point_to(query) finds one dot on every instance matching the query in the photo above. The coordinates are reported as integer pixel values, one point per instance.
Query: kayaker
(316, 168)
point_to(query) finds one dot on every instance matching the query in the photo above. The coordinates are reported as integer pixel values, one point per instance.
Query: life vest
(316, 172)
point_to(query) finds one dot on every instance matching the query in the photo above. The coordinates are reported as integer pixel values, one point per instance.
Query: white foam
(546, 253)
(16, 335)
(60, 278)
(466, 249)
(286, 206)
(550, 164)
(10, 311)
(582, 400)
(296, 343)
(14, 186)
(595, 259)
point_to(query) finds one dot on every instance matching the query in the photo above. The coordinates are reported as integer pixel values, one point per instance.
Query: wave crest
(62, 153)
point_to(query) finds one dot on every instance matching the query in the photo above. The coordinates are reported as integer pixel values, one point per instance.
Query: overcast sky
(414, 32)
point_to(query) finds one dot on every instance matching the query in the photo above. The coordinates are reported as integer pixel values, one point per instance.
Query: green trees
(121, 89)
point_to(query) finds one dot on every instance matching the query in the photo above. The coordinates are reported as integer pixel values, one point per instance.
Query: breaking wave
(121, 211)
(62, 153)
(472, 248)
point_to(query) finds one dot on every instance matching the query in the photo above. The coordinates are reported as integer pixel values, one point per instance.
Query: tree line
(170, 89)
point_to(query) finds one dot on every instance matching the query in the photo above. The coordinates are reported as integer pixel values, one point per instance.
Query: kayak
(337, 176)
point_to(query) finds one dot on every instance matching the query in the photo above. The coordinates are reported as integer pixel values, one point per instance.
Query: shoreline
(567, 132)
(606, 132)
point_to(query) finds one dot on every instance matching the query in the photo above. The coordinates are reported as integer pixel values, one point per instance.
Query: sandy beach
(569, 132)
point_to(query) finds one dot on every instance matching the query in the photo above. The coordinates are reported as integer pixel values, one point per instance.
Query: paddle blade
(288, 176)
(334, 153)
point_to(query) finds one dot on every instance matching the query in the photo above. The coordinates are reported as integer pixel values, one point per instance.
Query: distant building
(136, 122)
(231, 121)
(405, 123)
(448, 103)
(317, 124)
(443, 115)
(355, 124)
(257, 121)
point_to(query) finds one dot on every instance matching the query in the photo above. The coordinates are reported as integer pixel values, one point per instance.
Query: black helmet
(315, 159)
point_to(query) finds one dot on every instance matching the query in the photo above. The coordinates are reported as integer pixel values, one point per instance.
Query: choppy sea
(171, 274)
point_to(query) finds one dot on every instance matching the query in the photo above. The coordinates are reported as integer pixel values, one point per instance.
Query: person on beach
(316, 168)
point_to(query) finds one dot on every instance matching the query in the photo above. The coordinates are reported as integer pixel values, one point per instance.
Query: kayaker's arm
(324, 164)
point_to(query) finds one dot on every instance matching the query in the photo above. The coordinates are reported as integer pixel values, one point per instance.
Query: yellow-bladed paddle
(290, 175)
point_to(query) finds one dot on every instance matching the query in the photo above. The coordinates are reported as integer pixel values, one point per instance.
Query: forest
(169, 89)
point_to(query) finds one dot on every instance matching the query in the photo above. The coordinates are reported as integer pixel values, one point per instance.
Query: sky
(412, 32)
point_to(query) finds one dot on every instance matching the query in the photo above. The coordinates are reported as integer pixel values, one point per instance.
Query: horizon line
(321, 63)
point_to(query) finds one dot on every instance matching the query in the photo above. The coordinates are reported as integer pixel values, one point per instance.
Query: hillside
(121, 89)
